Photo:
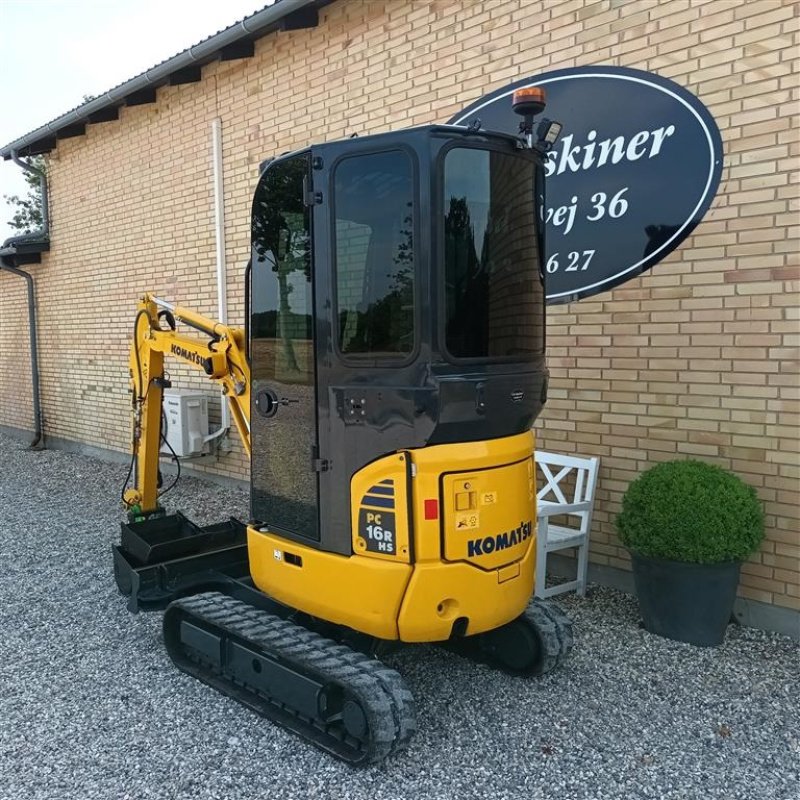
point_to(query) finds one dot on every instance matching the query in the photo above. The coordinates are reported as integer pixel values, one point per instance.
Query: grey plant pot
(687, 602)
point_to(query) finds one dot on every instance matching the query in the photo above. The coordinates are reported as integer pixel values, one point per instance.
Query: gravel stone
(91, 706)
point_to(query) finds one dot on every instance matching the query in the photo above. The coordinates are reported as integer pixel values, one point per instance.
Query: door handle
(480, 398)
(267, 402)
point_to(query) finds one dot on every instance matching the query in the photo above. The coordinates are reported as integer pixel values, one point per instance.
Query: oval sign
(635, 169)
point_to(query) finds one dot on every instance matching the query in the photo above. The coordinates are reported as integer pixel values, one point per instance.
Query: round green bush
(691, 511)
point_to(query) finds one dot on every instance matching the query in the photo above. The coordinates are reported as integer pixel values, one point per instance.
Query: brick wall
(697, 358)
(16, 406)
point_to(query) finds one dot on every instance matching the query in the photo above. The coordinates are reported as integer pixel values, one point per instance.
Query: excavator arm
(222, 357)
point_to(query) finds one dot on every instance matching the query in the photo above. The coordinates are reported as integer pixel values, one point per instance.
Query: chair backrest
(567, 479)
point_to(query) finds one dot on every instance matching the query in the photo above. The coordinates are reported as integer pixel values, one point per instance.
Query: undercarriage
(320, 681)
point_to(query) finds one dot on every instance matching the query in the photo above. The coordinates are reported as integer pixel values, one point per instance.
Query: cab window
(493, 289)
(374, 255)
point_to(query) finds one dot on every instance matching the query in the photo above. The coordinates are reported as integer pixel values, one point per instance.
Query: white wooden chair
(560, 496)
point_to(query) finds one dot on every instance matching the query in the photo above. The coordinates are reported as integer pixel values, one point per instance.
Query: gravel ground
(90, 706)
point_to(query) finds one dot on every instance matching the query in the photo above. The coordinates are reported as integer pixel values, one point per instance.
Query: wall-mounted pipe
(37, 408)
(219, 241)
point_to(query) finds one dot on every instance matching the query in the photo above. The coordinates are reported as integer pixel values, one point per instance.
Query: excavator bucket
(163, 558)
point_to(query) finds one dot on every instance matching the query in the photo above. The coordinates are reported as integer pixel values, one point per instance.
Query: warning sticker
(487, 498)
(466, 522)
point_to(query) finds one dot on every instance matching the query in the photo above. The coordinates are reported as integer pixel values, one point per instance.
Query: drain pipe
(222, 276)
(37, 409)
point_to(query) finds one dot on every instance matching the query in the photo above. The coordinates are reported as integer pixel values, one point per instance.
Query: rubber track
(555, 632)
(381, 692)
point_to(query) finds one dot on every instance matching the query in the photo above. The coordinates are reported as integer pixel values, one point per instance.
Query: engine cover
(489, 514)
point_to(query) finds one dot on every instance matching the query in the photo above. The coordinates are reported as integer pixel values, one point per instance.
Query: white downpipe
(219, 239)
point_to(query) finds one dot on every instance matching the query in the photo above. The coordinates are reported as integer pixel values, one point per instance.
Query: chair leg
(583, 566)
(541, 557)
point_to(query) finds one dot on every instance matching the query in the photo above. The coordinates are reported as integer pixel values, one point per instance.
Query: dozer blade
(160, 559)
(343, 701)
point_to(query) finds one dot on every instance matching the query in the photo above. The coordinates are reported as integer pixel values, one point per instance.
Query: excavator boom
(222, 357)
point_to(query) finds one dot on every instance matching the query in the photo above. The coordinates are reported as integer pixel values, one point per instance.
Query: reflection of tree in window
(374, 230)
(493, 293)
(467, 281)
(281, 241)
(386, 324)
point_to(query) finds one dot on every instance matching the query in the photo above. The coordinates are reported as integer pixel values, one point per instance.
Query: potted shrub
(688, 526)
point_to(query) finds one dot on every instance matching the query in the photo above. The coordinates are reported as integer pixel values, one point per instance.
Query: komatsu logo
(182, 352)
(489, 544)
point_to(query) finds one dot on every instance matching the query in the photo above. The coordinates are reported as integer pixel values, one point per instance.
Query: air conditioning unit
(184, 423)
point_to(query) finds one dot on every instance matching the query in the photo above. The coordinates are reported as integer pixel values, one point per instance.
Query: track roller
(343, 701)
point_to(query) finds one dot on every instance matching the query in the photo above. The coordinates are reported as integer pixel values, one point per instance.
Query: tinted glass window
(494, 297)
(284, 486)
(282, 296)
(373, 207)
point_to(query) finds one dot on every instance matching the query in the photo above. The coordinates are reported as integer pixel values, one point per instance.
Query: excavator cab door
(335, 323)
(284, 429)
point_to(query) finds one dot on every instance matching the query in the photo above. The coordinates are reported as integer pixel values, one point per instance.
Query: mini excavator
(384, 386)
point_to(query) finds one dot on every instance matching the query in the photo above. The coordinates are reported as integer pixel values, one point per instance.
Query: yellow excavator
(384, 386)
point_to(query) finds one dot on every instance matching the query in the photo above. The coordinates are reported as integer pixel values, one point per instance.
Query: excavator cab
(397, 304)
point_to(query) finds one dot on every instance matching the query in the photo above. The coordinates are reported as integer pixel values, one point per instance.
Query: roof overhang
(236, 41)
(25, 249)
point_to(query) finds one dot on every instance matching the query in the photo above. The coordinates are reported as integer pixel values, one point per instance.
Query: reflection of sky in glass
(296, 281)
(298, 289)
(467, 175)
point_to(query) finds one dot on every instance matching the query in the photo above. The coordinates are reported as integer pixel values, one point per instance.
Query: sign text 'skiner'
(609, 151)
